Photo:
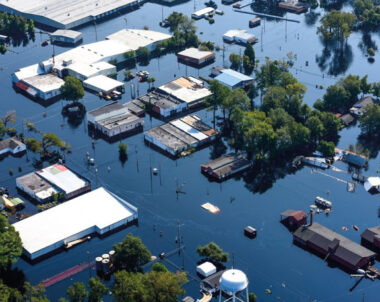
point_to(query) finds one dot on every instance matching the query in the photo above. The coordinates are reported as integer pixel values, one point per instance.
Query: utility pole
(179, 241)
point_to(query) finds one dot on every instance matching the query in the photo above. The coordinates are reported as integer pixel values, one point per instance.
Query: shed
(103, 84)
(370, 238)
(294, 219)
(195, 56)
(233, 79)
(66, 36)
(250, 232)
(206, 269)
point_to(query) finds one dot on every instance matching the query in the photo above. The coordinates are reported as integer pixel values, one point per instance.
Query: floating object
(268, 291)
(155, 171)
(91, 161)
(355, 227)
(316, 162)
(250, 232)
(211, 208)
(323, 203)
(344, 228)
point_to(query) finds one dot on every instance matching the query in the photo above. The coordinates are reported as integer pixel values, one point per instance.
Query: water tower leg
(234, 298)
(220, 295)
(246, 292)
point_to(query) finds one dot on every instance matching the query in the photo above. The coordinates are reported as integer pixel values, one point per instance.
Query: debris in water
(344, 228)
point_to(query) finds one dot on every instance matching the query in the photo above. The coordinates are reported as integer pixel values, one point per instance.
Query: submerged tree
(72, 90)
(213, 252)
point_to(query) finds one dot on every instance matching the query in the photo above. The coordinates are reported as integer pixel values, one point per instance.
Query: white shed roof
(72, 34)
(96, 209)
(63, 178)
(103, 83)
(189, 130)
(206, 269)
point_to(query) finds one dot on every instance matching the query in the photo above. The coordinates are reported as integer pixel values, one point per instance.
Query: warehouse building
(114, 119)
(196, 57)
(162, 104)
(180, 135)
(43, 87)
(370, 238)
(67, 182)
(333, 246)
(66, 37)
(239, 36)
(65, 14)
(97, 212)
(233, 79)
(103, 84)
(84, 71)
(35, 187)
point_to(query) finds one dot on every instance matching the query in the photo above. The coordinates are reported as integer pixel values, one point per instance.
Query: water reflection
(333, 60)
(311, 18)
(366, 43)
(267, 7)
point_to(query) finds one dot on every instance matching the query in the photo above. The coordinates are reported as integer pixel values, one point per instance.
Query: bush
(10, 171)
(326, 148)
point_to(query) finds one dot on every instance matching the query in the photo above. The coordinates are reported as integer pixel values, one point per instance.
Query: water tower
(233, 283)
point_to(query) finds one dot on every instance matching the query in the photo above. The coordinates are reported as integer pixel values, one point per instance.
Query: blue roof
(231, 77)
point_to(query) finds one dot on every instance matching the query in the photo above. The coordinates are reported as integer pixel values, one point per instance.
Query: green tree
(143, 54)
(365, 87)
(77, 292)
(3, 129)
(129, 287)
(235, 99)
(252, 297)
(336, 98)
(131, 254)
(213, 252)
(275, 97)
(252, 93)
(219, 93)
(370, 121)
(249, 59)
(129, 55)
(175, 19)
(326, 148)
(10, 244)
(337, 26)
(34, 293)
(375, 89)
(352, 85)
(316, 128)
(3, 49)
(235, 61)
(72, 90)
(96, 290)
(159, 267)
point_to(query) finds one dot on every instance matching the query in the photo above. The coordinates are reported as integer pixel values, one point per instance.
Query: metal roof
(231, 77)
(72, 34)
(370, 233)
(196, 53)
(103, 83)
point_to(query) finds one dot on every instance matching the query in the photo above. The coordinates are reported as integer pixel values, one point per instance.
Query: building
(370, 238)
(114, 119)
(254, 22)
(103, 84)
(65, 14)
(189, 90)
(354, 158)
(202, 13)
(42, 86)
(226, 166)
(66, 36)
(85, 62)
(293, 219)
(176, 96)
(293, 6)
(96, 212)
(333, 246)
(195, 56)
(67, 182)
(13, 204)
(233, 79)
(211, 283)
(206, 269)
(35, 187)
(180, 135)
(346, 119)
(358, 108)
(239, 36)
(11, 145)
(84, 71)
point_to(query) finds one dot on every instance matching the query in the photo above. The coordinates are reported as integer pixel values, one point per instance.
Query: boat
(219, 12)
(45, 43)
(165, 23)
(250, 232)
(355, 227)
(358, 177)
(323, 203)
(236, 5)
(372, 184)
(319, 162)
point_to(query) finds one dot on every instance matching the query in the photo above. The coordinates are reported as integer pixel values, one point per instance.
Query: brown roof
(11, 142)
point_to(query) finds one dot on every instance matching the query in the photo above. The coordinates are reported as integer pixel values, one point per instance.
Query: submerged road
(266, 15)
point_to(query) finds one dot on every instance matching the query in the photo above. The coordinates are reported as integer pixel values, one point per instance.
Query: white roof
(89, 70)
(189, 130)
(103, 83)
(66, 13)
(239, 33)
(44, 82)
(233, 280)
(372, 182)
(203, 11)
(67, 33)
(28, 71)
(135, 38)
(206, 269)
(98, 208)
(195, 53)
(63, 178)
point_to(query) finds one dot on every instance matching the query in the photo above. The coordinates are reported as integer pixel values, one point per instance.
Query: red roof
(22, 85)
(298, 215)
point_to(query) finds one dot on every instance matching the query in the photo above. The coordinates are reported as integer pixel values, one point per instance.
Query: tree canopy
(131, 254)
(10, 244)
(370, 121)
(77, 292)
(72, 90)
(96, 290)
(213, 252)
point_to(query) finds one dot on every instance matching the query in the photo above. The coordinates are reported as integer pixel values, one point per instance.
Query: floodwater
(270, 261)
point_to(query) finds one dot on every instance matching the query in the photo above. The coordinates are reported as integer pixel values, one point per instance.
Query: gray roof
(347, 118)
(33, 182)
(106, 109)
(365, 101)
(10, 143)
(325, 238)
(370, 233)
(214, 279)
